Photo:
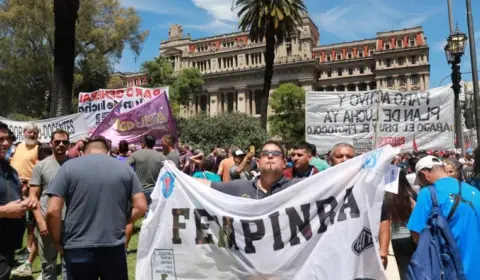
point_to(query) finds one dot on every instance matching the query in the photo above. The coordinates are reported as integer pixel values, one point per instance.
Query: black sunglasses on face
(64, 142)
(273, 153)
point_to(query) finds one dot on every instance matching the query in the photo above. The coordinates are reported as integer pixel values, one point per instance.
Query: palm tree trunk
(267, 79)
(66, 14)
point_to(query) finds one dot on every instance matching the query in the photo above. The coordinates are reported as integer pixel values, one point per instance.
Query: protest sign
(153, 117)
(96, 105)
(388, 117)
(73, 124)
(324, 227)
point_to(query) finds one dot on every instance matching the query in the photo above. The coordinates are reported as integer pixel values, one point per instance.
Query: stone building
(131, 79)
(232, 66)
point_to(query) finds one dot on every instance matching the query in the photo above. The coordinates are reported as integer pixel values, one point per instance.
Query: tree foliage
(288, 121)
(104, 28)
(159, 72)
(206, 132)
(274, 21)
(188, 83)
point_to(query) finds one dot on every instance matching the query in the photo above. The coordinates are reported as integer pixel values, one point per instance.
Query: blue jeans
(106, 263)
(148, 194)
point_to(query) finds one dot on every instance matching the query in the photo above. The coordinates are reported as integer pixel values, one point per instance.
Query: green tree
(103, 30)
(205, 132)
(115, 82)
(159, 72)
(188, 83)
(273, 20)
(288, 121)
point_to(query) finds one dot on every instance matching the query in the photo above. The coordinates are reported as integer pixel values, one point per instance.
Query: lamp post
(454, 51)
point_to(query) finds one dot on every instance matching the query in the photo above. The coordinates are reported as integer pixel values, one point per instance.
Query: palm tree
(66, 14)
(273, 20)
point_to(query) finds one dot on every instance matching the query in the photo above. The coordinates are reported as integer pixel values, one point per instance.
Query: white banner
(386, 117)
(312, 230)
(96, 105)
(73, 124)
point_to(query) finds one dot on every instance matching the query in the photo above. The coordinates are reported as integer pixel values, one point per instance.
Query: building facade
(131, 79)
(232, 66)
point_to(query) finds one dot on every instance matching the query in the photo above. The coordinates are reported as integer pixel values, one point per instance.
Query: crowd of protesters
(82, 199)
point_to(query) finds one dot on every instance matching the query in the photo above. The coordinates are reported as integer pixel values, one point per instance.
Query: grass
(131, 257)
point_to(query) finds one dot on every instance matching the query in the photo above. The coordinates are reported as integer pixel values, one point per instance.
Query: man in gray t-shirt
(147, 164)
(43, 174)
(99, 192)
(168, 145)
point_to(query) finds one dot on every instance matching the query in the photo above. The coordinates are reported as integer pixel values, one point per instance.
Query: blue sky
(338, 21)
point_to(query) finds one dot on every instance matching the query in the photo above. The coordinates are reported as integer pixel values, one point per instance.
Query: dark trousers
(6, 263)
(403, 249)
(107, 263)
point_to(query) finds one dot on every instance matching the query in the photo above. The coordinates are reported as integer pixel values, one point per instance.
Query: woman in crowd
(453, 168)
(399, 209)
(206, 170)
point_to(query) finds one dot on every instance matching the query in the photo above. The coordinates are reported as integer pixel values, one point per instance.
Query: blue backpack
(437, 256)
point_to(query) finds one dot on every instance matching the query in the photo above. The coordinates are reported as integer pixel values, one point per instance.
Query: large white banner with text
(96, 105)
(324, 227)
(73, 124)
(409, 120)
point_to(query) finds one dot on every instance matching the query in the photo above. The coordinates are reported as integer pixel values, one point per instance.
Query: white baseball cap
(427, 162)
(238, 153)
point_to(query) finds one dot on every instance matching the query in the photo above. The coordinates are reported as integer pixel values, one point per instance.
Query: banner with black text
(74, 124)
(324, 227)
(386, 117)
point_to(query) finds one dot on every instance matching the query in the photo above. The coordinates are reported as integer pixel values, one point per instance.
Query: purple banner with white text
(153, 117)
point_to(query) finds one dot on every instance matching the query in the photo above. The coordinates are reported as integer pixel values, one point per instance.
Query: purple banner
(153, 117)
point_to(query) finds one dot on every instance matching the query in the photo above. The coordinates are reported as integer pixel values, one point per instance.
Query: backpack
(437, 256)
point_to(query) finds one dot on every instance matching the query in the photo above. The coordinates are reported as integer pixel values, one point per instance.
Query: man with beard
(42, 175)
(168, 145)
(270, 181)
(12, 209)
(301, 156)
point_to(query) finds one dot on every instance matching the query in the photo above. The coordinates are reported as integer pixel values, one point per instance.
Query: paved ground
(392, 270)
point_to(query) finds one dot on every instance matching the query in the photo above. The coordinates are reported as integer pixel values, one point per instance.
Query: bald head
(341, 153)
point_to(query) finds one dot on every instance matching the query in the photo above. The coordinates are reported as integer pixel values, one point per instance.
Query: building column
(212, 103)
(345, 87)
(396, 84)
(422, 85)
(368, 85)
(254, 106)
(409, 82)
(356, 86)
(379, 84)
(242, 100)
(427, 82)
(334, 88)
(307, 87)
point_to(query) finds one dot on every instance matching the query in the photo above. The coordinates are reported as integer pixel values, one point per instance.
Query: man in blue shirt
(12, 209)
(465, 222)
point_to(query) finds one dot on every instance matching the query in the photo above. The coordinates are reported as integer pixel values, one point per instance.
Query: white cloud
(360, 19)
(219, 9)
(215, 25)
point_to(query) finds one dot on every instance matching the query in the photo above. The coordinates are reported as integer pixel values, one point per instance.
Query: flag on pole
(415, 146)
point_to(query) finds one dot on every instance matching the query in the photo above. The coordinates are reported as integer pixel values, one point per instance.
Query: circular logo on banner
(168, 182)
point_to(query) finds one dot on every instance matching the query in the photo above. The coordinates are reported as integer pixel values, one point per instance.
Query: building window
(361, 69)
(329, 58)
(350, 71)
(370, 52)
(401, 61)
(414, 79)
(339, 56)
(289, 50)
(329, 73)
(399, 43)
(413, 60)
(389, 82)
(350, 55)
(387, 46)
(360, 53)
(403, 81)
(411, 42)
(339, 71)
(388, 62)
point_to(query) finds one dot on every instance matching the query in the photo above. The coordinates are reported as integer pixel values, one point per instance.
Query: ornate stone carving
(175, 32)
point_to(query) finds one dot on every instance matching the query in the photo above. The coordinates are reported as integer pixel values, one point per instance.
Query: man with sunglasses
(270, 181)
(42, 175)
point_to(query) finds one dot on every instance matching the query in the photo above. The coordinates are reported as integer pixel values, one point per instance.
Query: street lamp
(453, 51)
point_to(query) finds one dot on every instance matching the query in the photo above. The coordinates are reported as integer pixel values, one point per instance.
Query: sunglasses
(267, 153)
(64, 142)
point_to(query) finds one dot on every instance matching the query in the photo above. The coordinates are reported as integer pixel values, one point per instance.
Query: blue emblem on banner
(371, 159)
(168, 182)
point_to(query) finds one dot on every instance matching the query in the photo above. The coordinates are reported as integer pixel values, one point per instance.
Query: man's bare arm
(384, 238)
(139, 207)
(37, 213)
(54, 218)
